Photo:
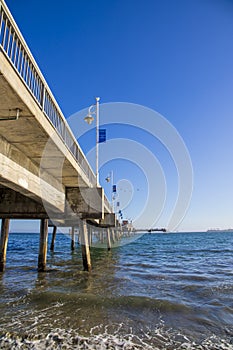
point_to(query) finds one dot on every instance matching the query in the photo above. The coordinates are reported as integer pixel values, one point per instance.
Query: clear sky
(174, 57)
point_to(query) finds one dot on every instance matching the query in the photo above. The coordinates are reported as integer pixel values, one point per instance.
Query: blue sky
(174, 57)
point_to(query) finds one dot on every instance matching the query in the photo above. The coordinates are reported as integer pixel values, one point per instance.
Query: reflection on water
(163, 290)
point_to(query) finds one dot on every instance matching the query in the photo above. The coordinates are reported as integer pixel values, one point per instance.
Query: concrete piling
(72, 238)
(53, 238)
(3, 243)
(90, 235)
(109, 239)
(43, 245)
(113, 236)
(85, 246)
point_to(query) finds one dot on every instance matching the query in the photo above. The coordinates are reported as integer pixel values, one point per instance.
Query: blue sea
(158, 291)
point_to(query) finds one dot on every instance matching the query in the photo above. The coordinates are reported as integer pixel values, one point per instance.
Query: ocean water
(160, 291)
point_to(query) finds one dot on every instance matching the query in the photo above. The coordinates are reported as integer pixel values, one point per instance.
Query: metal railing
(13, 45)
(107, 204)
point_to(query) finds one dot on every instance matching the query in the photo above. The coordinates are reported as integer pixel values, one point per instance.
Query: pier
(44, 173)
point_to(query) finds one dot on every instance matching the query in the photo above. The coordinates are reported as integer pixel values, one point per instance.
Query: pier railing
(13, 45)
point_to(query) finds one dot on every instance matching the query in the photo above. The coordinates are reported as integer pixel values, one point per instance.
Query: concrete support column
(109, 245)
(121, 233)
(3, 243)
(85, 245)
(101, 235)
(43, 245)
(113, 235)
(53, 238)
(90, 236)
(116, 234)
(72, 239)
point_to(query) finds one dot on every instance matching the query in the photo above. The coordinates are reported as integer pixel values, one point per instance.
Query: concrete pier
(44, 173)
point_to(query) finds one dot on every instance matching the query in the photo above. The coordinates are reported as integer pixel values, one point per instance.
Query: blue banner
(102, 135)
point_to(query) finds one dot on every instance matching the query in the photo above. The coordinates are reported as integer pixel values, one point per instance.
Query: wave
(137, 303)
(70, 339)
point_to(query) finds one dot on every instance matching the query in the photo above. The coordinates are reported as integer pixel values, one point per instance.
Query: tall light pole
(108, 179)
(97, 141)
(89, 119)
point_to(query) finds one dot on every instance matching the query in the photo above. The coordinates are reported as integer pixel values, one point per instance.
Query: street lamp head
(89, 119)
(108, 179)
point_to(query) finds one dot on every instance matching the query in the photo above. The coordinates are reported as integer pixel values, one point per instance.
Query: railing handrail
(40, 90)
(107, 203)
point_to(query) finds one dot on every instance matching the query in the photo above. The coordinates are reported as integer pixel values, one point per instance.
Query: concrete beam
(16, 206)
(86, 202)
(18, 178)
(108, 221)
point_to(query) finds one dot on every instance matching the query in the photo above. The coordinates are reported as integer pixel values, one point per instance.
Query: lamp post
(89, 119)
(113, 189)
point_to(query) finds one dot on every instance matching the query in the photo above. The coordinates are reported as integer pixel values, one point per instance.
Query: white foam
(62, 339)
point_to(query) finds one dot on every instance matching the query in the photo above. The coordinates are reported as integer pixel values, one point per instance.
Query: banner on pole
(102, 135)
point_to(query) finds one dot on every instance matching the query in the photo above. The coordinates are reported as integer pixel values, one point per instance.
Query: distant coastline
(220, 230)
